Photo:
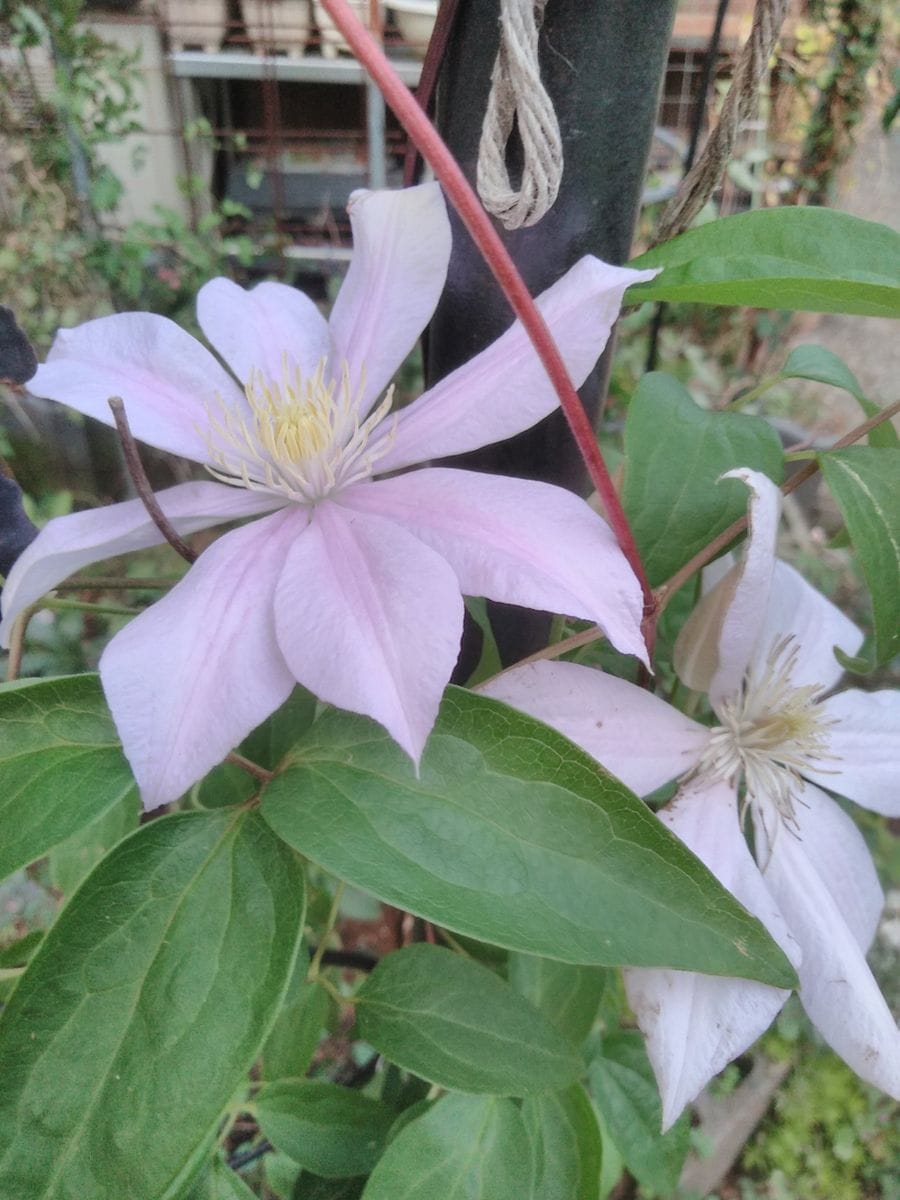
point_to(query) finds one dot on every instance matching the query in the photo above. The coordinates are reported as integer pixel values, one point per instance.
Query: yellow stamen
(301, 437)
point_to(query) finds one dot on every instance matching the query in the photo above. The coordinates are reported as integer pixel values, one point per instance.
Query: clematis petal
(833, 842)
(262, 328)
(865, 742)
(370, 619)
(715, 645)
(635, 735)
(696, 1024)
(821, 877)
(505, 389)
(189, 678)
(401, 248)
(165, 377)
(797, 610)
(516, 540)
(66, 544)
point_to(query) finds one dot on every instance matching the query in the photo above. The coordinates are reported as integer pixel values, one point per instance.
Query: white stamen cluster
(770, 733)
(301, 437)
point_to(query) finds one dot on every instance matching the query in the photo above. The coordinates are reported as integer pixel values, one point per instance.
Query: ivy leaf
(145, 1007)
(809, 259)
(865, 482)
(511, 834)
(625, 1092)
(463, 1148)
(457, 1024)
(823, 366)
(62, 771)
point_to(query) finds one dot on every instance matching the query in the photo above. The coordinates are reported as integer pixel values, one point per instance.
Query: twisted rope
(518, 94)
(697, 186)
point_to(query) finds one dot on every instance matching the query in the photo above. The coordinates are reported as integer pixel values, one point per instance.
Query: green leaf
(330, 1130)
(823, 366)
(810, 259)
(675, 453)
(61, 766)
(18, 953)
(865, 482)
(463, 1148)
(313, 1187)
(72, 859)
(625, 1092)
(298, 1030)
(267, 745)
(566, 1148)
(568, 995)
(221, 1183)
(144, 1008)
(513, 835)
(457, 1024)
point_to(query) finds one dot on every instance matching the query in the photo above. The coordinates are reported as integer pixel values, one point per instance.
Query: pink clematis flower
(761, 643)
(346, 584)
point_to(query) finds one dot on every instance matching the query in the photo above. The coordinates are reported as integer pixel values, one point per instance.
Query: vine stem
(435, 151)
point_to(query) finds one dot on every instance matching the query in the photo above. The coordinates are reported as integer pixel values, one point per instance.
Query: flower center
(770, 733)
(300, 436)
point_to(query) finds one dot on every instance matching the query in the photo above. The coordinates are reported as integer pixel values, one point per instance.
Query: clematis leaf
(865, 482)
(625, 1092)
(566, 1148)
(298, 1028)
(568, 995)
(62, 772)
(457, 1024)
(462, 1148)
(330, 1130)
(149, 998)
(511, 834)
(810, 259)
(221, 1183)
(675, 454)
(824, 366)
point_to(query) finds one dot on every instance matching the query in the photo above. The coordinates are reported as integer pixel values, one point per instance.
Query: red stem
(476, 220)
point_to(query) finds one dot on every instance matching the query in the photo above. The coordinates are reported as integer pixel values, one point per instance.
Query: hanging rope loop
(517, 94)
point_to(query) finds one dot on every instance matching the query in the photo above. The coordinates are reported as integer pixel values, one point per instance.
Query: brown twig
(116, 583)
(248, 765)
(667, 590)
(141, 483)
(17, 642)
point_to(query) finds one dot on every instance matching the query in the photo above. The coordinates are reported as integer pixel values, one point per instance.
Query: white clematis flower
(761, 643)
(348, 584)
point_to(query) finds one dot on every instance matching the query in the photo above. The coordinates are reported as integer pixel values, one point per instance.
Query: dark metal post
(602, 62)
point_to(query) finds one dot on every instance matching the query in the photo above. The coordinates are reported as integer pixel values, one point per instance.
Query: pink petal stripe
(401, 248)
(865, 740)
(516, 540)
(696, 1024)
(368, 618)
(263, 328)
(188, 679)
(632, 733)
(837, 988)
(67, 544)
(165, 377)
(505, 389)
